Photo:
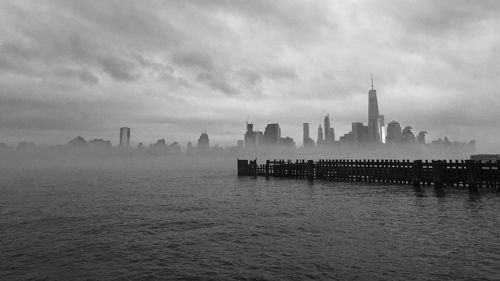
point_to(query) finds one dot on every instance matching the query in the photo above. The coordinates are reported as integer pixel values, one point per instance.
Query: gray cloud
(120, 69)
(216, 83)
(83, 75)
(250, 77)
(438, 18)
(281, 73)
(193, 59)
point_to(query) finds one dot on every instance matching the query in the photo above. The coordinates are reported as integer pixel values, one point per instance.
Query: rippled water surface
(202, 224)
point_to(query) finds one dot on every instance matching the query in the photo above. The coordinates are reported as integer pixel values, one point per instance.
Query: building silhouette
(287, 141)
(272, 134)
(374, 124)
(78, 141)
(359, 132)
(331, 136)
(125, 137)
(421, 137)
(320, 136)
(326, 123)
(305, 132)
(347, 138)
(408, 136)
(259, 138)
(26, 145)
(306, 140)
(190, 149)
(240, 144)
(250, 137)
(203, 142)
(174, 148)
(383, 131)
(393, 133)
(100, 143)
(159, 144)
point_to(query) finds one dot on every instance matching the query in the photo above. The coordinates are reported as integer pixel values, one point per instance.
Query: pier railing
(439, 173)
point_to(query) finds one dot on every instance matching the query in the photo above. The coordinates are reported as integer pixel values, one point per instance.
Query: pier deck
(472, 174)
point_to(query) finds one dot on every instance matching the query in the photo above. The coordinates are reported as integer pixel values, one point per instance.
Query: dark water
(116, 224)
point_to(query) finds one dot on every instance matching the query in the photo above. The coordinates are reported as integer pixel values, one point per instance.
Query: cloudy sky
(172, 69)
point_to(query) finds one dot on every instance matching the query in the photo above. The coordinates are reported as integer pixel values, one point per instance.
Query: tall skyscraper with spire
(320, 135)
(373, 116)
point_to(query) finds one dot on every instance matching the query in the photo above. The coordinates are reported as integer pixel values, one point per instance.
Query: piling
(417, 173)
(243, 167)
(437, 176)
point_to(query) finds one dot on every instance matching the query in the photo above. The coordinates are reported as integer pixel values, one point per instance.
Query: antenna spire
(372, 81)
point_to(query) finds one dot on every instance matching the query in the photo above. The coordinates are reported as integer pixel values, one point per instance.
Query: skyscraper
(421, 137)
(250, 137)
(383, 129)
(331, 136)
(359, 132)
(272, 134)
(373, 116)
(259, 138)
(203, 142)
(327, 127)
(305, 132)
(393, 132)
(320, 135)
(125, 137)
(307, 141)
(239, 144)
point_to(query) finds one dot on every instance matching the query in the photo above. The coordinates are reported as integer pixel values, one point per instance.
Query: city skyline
(374, 133)
(84, 69)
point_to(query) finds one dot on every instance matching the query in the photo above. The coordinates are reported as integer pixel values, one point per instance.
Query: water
(175, 224)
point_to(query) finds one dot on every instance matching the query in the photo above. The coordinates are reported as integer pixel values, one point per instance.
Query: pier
(472, 174)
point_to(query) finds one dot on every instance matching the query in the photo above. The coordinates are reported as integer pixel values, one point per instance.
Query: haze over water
(153, 219)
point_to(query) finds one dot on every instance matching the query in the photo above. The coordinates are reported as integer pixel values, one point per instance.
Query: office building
(331, 136)
(203, 142)
(373, 116)
(287, 141)
(320, 136)
(259, 137)
(125, 137)
(408, 136)
(383, 130)
(272, 134)
(326, 127)
(239, 144)
(359, 133)
(250, 137)
(421, 137)
(306, 140)
(393, 133)
(305, 132)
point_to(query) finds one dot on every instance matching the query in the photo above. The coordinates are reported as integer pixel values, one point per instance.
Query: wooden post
(472, 175)
(417, 173)
(436, 174)
(243, 167)
(267, 168)
(310, 170)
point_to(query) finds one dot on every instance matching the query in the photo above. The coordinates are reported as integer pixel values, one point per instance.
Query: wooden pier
(472, 174)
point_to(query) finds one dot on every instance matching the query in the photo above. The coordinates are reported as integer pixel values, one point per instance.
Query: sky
(173, 69)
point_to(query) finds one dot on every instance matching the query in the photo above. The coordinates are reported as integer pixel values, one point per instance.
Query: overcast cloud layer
(172, 69)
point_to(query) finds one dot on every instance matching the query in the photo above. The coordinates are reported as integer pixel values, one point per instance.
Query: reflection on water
(79, 224)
